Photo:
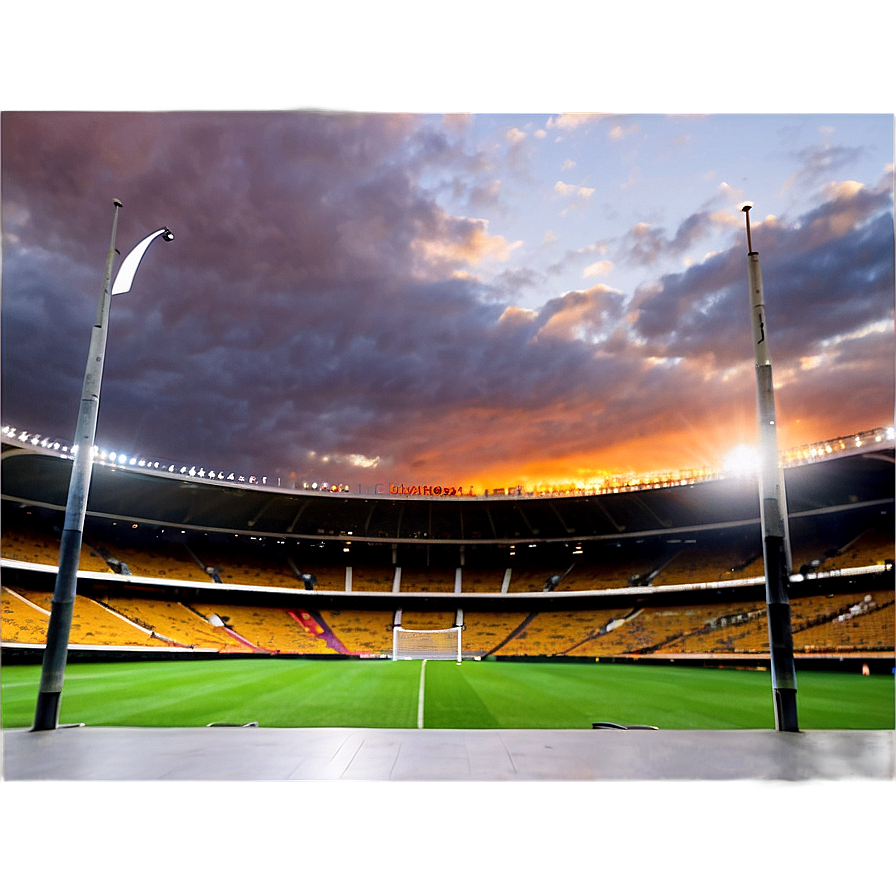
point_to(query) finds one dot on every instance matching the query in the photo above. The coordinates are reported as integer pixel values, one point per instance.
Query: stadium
(657, 571)
(662, 572)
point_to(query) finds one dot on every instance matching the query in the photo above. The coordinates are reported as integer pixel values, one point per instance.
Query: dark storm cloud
(35, 334)
(293, 235)
(687, 312)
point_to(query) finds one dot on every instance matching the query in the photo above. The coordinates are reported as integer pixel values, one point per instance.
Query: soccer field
(411, 694)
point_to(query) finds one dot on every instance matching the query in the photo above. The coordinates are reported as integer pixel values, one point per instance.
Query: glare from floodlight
(744, 460)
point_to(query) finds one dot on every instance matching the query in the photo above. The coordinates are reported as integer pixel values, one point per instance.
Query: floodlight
(125, 277)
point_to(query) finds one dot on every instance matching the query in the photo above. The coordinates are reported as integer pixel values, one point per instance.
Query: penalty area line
(420, 695)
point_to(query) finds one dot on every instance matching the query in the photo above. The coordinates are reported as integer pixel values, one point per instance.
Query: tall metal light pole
(49, 695)
(772, 509)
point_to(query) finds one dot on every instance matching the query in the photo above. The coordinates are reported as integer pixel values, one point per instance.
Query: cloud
(571, 121)
(517, 317)
(576, 256)
(565, 189)
(818, 162)
(456, 241)
(580, 194)
(578, 315)
(620, 131)
(646, 244)
(310, 306)
(598, 269)
(486, 194)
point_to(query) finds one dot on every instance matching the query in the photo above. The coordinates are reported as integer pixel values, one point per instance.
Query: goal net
(426, 644)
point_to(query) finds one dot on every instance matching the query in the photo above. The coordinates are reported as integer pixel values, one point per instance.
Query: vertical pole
(49, 695)
(772, 510)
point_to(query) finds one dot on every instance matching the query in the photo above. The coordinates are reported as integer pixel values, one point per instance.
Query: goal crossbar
(426, 644)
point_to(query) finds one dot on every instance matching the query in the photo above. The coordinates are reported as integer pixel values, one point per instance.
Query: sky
(472, 300)
(401, 258)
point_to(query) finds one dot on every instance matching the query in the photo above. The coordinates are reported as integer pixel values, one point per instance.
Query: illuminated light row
(818, 450)
(119, 459)
(25, 436)
(220, 476)
(122, 460)
(607, 485)
(326, 487)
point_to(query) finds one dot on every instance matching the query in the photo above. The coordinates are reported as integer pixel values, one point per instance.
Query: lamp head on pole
(128, 268)
(745, 208)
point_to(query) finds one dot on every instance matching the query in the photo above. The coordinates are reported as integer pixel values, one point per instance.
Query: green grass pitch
(384, 694)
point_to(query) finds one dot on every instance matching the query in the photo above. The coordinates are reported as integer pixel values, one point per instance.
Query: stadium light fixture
(124, 279)
(46, 715)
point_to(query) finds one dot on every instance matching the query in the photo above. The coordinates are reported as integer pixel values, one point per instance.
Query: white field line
(420, 695)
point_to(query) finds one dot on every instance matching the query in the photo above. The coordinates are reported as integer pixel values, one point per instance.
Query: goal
(426, 644)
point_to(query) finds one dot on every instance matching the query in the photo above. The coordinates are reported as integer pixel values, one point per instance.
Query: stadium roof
(34, 476)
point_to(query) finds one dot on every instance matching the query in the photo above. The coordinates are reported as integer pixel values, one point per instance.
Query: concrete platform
(374, 754)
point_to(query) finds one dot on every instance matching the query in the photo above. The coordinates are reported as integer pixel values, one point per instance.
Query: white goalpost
(426, 644)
